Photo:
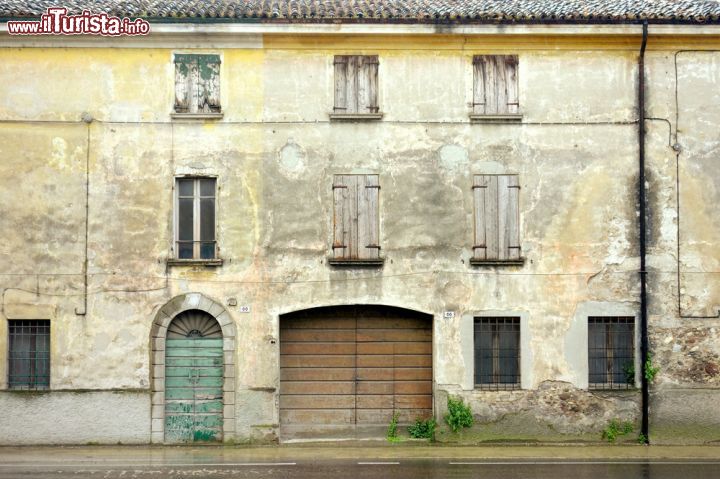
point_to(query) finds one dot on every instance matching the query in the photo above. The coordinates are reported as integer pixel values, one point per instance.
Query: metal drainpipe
(643, 246)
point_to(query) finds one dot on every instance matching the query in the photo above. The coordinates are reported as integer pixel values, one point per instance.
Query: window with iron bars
(611, 352)
(29, 354)
(497, 353)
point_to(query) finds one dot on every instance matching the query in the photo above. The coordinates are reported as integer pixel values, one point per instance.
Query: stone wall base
(75, 417)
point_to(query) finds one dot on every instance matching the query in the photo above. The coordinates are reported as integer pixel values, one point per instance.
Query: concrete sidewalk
(168, 455)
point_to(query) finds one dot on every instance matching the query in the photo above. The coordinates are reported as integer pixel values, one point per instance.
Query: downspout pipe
(643, 241)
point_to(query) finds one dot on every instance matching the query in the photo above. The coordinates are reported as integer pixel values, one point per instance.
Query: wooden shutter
(185, 70)
(356, 84)
(343, 193)
(208, 83)
(341, 75)
(495, 90)
(508, 217)
(497, 231)
(367, 84)
(368, 220)
(511, 84)
(355, 218)
(479, 82)
(480, 186)
(197, 83)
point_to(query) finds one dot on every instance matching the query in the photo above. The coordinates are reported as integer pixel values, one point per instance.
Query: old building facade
(279, 230)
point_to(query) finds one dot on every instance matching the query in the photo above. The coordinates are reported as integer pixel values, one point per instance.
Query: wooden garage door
(344, 371)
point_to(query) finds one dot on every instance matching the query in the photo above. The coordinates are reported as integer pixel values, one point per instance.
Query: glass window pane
(185, 187)
(185, 219)
(207, 250)
(483, 353)
(185, 250)
(508, 353)
(596, 353)
(207, 187)
(623, 358)
(207, 219)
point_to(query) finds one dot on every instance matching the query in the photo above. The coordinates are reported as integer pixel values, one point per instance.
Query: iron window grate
(611, 352)
(497, 353)
(29, 354)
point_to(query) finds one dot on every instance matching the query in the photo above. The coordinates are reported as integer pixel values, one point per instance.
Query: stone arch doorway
(187, 331)
(346, 370)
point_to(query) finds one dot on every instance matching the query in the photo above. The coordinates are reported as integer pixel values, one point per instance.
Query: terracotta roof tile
(387, 11)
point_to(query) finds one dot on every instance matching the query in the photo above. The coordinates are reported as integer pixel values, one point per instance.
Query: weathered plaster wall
(684, 330)
(274, 154)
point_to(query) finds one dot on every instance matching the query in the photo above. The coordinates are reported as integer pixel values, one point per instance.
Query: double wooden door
(345, 371)
(193, 380)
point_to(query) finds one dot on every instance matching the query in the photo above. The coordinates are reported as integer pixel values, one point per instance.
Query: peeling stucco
(274, 154)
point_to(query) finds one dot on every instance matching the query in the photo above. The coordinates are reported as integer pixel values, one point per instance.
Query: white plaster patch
(59, 153)
(291, 159)
(619, 246)
(453, 158)
(668, 228)
(192, 300)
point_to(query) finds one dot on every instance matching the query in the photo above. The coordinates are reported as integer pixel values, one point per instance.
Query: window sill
(605, 388)
(350, 263)
(497, 262)
(356, 116)
(23, 388)
(196, 116)
(496, 118)
(194, 262)
(497, 387)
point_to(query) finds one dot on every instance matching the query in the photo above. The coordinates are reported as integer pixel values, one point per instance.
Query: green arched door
(193, 379)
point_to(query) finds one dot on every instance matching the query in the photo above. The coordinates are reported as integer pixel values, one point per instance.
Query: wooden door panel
(315, 361)
(329, 322)
(352, 367)
(374, 322)
(397, 360)
(402, 335)
(412, 360)
(415, 347)
(413, 373)
(317, 416)
(315, 335)
(375, 416)
(413, 387)
(376, 387)
(415, 401)
(193, 390)
(373, 401)
(318, 387)
(317, 374)
(374, 374)
(336, 401)
(316, 348)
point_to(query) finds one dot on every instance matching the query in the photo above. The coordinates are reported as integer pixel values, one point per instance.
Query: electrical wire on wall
(678, 150)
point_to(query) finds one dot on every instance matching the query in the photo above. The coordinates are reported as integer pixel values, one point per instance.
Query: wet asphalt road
(368, 469)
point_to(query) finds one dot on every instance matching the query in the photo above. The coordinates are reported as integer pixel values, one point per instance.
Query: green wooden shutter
(208, 83)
